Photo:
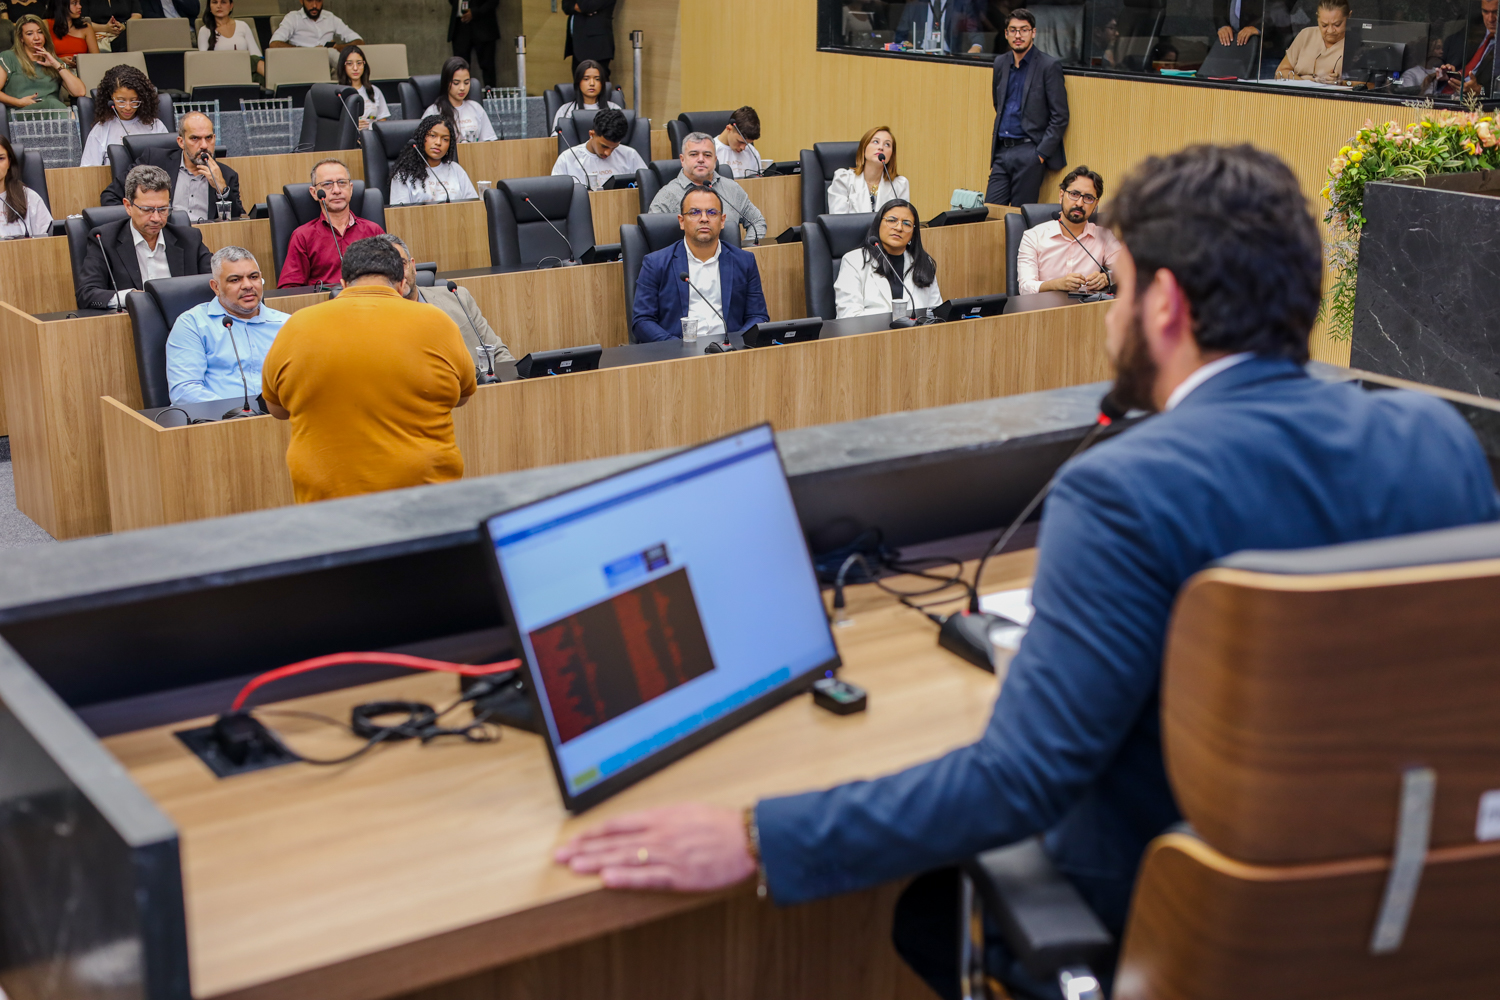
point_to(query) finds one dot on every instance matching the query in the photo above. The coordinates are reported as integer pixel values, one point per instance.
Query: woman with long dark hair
(22, 211)
(126, 105)
(427, 171)
(466, 119)
(354, 71)
(221, 32)
(590, 84)
(31, 76)
(889, 267)
(72, 34)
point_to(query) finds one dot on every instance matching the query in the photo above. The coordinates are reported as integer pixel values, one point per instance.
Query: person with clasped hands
(700, 168)
(874, 179)
(1238, 20)
(204, 188)
(207, 360)
(1247, 452)
(1317, 53)
(312, 28)
(1070, 254)
(890, 266)
(32, 78)
(316, 250)
(723, 281)
(140, 247)
(1031, 115)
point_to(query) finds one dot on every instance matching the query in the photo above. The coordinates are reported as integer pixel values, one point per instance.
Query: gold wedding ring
(642, 856)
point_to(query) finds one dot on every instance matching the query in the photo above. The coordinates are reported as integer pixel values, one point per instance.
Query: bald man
(204, 188)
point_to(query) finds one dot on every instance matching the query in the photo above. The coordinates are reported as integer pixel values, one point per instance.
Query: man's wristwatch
(752, 841)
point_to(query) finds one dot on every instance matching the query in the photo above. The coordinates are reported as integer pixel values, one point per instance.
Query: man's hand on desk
(1069, 283)
(683, 848)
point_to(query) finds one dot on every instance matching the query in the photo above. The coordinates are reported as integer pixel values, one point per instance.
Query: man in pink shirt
(1071, 254)
(315, 255)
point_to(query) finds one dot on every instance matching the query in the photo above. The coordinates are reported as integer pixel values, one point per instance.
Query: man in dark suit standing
(180, 8)
(1031, 115)
(1220, 279)
(475, 29)
(199, 182)
(127, 254)
(591, 31)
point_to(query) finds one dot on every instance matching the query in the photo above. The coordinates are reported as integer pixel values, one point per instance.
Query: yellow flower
(1323, 193)
(1356, 156)
(1344, 151)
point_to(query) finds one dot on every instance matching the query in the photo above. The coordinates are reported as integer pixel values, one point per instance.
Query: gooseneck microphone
(246, 411)
(572, 260)
(489, 352)
(689, 282)
(879, 252)
(1102, 269)
(322, 197)
(580, 166)
(119, 300)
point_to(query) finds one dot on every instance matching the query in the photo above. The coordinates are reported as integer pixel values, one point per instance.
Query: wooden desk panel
(36, 276)
(493, 161)
(779, 200)
(555, 308)
(661, 144)
(72, 189)
(252, 234)
(611, 210)
(780, 266)
(263, 175)
(970, 259)
(456, 235)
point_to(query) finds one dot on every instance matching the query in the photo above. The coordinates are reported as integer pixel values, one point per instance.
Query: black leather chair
(572, 131)
(658, 174)
(152, 314)
(295, 206)
(87, 106)
(80, 229)
(818, 166)
(417, 93)
(564, 93)
(1017, 223)
(382, 143)
(520, 233)
(707, 122)
(824, 244)
(330, 116)
(34, 172)
(122, 158)
(649, 234)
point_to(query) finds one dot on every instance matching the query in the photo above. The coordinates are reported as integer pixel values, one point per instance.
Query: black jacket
(186, 254)
(170, 160)
(593, 29)
(1251, 12)
(484, 24)
(185, 8)
(1044, 105)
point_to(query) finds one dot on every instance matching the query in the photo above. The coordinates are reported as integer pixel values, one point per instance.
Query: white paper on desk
(1012, 604)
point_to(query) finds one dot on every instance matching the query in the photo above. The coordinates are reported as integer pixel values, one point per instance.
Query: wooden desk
(427, 868)
(493, 161)
(456, 236)
(160, 475)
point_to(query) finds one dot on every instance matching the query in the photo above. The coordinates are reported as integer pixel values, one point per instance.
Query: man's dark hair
(1022, 14)
(698, 189)
(373, 255)
(1233, 227)
(1082, 171)
(746, 122)
(610, 124)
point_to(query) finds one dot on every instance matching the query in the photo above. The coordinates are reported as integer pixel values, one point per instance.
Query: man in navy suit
(1219, 282)
(1031, 115)
(722, 286)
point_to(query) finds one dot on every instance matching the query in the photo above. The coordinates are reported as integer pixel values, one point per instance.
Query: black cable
(421, 723)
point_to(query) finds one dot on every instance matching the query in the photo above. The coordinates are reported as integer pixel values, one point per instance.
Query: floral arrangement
(1441, 142)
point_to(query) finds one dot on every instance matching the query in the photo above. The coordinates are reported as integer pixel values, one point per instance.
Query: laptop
(659, 608)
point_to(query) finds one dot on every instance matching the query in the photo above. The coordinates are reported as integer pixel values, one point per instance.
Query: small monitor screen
(661, 607)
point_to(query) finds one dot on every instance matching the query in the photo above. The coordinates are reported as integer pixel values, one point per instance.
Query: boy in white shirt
(594, 162)
(734, 145)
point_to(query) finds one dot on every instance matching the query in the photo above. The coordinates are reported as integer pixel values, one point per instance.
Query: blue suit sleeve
(650, 319)
(187, 362)
(755, 299)
(1087, 669)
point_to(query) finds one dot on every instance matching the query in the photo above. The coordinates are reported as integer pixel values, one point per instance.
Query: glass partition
(1438, 49)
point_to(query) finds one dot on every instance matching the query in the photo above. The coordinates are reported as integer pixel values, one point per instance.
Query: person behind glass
(354, 71)
(874, 180)
(1317, 53)
(32, 78)
(733, 146)
(313, 28)
(316, 250)
(474, 31)
(1031, 115)
(1475, 47)
(127, 105)
(466, 119)
(207, 360)
(1238, 20)
(427, 170)
(141, 247)
(72, 34)
(24, 213)
(594, 161)
(889, 267)
(590, 81)
(700, 169)
(204, 188)
(461, 309)
(109, 17)
(722, 283)
(221, 31)
(1070, 253)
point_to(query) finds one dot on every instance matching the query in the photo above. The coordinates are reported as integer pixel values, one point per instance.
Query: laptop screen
(661, 607)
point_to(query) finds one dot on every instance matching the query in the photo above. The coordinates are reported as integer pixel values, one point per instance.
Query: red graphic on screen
(601, 662)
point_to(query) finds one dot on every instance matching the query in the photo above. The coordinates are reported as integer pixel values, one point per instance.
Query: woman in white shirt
(22, 211)
(465, 116)
(126, 105)
(220, 32)
(354, 71)
(874, 179)
(890, 266)
(427, 171)
(589, 80)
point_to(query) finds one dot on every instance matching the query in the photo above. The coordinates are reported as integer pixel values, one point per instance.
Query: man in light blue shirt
(207, 360)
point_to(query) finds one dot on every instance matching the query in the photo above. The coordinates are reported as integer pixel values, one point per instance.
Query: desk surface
(416, 865)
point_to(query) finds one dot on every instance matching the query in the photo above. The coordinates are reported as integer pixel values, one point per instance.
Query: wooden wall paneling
(252, 234)
(263, 175)
(780, 266)
(611, 210)
(492, 161)
(779, 200)
(546, 30)
(36, 276)
(72, 189)
(661, 57)
(554, 308)
(661, 143)
(970, 259)
(456, 235)
(26, 412)
(132, 467)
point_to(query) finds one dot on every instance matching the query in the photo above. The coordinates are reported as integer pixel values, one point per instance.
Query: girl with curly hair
(427, 171)
(126, 105)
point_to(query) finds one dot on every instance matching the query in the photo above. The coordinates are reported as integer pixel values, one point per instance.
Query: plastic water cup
(689, 331)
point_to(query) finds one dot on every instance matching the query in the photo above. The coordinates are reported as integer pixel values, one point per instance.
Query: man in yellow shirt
(369, 381)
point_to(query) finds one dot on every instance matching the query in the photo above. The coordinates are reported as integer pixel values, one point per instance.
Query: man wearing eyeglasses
(124, 255)
(700, 168)
(702, 279)
(1031, 115)
(204, 188)
(315, 255)
(1070, 254)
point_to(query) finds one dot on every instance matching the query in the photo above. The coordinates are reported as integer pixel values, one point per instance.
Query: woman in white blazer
(890, 265)
(874, 179)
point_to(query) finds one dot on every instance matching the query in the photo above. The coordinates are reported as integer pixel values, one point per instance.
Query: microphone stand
(879, 252)
(322, 197)
(1102, 269)
(489, 352)
(119, 301)
(246, 411)
(726, 346)
(572, 260)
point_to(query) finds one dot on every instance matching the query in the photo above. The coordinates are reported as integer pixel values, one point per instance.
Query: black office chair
(152, 314)
(295, 206)
(521, 231)
(417, 93)
(824, 244)
(87, 105)
(649, 234)
(658, 174)
(34, 172)
(707, 122)
(330, 118)
(80, 230)
(427, 274)
(382, 143)
(572, 131)
(564, 93)
(123, 157)
(818, 166)
(1016, 223)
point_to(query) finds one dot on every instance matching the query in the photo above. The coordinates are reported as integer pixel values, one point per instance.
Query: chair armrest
(1044, 921)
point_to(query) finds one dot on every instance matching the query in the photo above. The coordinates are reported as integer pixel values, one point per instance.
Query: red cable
(394, 659)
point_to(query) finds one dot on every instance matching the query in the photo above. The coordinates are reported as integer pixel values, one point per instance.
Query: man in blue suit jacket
(728, 286)
(1219, 284)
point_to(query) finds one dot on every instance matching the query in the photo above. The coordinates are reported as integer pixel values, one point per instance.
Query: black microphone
(1102, 269)
(322, 197)
(489, 352)
(118, 300)
(879, 252)
(582, 168)
(246, 412)
(572, 259)
(689, 282)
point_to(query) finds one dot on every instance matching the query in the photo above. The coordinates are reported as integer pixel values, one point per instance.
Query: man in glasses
(1031, 115)
(1071, 254)
(124, 255)
(315, 254)
(710, 284)
(204, 188)
(700, 168)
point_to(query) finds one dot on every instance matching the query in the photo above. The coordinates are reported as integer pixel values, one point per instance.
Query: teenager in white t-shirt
(467, 117)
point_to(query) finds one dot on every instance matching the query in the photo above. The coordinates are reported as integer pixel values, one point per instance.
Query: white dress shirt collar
(1203, 374)
(704, 276)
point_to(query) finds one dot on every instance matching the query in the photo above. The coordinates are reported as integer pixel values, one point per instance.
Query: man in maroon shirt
(316, 253)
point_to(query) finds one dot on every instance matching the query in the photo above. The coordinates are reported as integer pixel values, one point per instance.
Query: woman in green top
(31, 76)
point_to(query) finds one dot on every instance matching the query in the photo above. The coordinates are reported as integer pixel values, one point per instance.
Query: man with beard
(1219, 283)
(1070, 254)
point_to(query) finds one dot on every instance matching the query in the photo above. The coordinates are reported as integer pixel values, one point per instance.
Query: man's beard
(1135, 370)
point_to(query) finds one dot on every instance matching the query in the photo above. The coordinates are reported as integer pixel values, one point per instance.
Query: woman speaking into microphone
(427, 172)
(874, 179)
(890, 267)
